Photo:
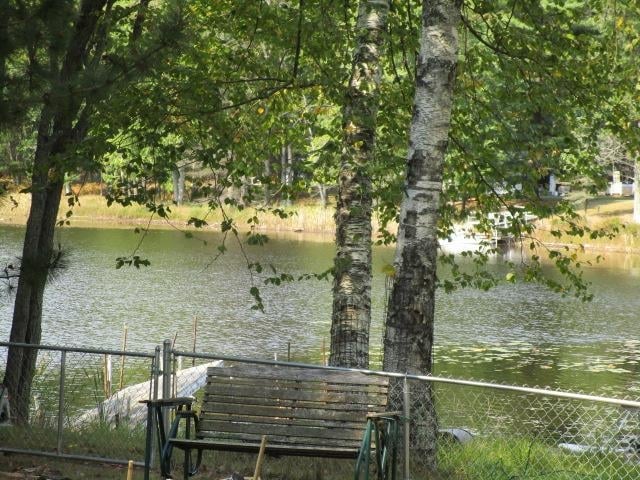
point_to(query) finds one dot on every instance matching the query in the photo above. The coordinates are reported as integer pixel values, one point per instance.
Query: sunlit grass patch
(506, 459)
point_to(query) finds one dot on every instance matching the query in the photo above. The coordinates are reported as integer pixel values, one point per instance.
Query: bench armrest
(384, 415)
(169, 402)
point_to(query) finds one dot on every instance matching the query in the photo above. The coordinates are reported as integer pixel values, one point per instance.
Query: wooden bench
(309, 412)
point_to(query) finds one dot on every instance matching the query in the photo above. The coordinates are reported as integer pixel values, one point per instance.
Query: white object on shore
(125, 406)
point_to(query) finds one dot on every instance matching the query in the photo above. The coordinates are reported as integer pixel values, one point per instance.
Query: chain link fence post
(166, 379)
(406, 412)
(151, 430)
(63, 363)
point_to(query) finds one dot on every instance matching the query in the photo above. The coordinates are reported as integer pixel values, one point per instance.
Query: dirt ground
(23, 467)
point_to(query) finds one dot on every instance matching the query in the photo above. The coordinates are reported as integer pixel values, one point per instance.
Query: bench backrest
(291, 405)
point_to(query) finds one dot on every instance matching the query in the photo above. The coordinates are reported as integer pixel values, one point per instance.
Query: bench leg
(148, 442)
(362, 464)
(190, 468)
(385, 434)
(187, 464)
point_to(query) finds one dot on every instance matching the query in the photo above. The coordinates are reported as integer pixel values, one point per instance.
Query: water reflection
(518, 333)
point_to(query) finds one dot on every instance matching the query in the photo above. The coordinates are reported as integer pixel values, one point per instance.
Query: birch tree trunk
(351, 315)
(408, 336)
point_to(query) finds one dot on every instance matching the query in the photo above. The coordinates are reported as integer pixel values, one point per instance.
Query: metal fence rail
(484, 431)
(83, 404)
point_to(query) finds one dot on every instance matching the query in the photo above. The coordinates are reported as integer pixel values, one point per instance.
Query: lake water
(519, 334)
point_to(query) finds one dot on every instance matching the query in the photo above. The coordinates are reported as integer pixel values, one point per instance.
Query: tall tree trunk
(636, 191)
(62, 126)
(351, 315)
(408, 337)
(37, 253)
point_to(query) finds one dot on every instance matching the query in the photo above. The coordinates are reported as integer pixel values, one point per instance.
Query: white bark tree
(408, 337)
(351, 316)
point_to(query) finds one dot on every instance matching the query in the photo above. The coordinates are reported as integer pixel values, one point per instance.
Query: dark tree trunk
(351, 315)
(37, 254)
(62, 126)
(408, 338)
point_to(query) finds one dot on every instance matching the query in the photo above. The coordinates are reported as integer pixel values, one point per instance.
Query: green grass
(97, 440)
(480, 459)
(527, 459)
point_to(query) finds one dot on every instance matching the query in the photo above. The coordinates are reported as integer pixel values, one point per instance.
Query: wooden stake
(195, 336)
(124, 348)
(130, 470)
(107, 376)
(104, 376)
(324, 353)
(263, 444)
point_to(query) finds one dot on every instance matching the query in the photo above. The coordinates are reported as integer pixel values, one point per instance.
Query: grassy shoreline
(92, 210)
(317, 222)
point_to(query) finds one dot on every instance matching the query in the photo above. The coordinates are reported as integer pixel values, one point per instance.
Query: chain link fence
(83, 403)
(492, 431)
(474, 430)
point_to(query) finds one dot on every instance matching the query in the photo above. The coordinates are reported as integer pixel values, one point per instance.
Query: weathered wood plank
(284, 420)
(271, 449)
(207, 425)
(296, 384)
(289, 394)
(296, 373)
(286, 411)
(311, 412)
(282, 440)
(355, 407)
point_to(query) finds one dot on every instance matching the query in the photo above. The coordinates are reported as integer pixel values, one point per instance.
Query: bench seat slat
(284, 430)
(351, 407)
(289, 394)
(281, 440)
(297, 373)
(272, 449)
(285, 411)
(283, 420)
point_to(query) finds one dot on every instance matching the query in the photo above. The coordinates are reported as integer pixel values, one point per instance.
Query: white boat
(468, 237)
